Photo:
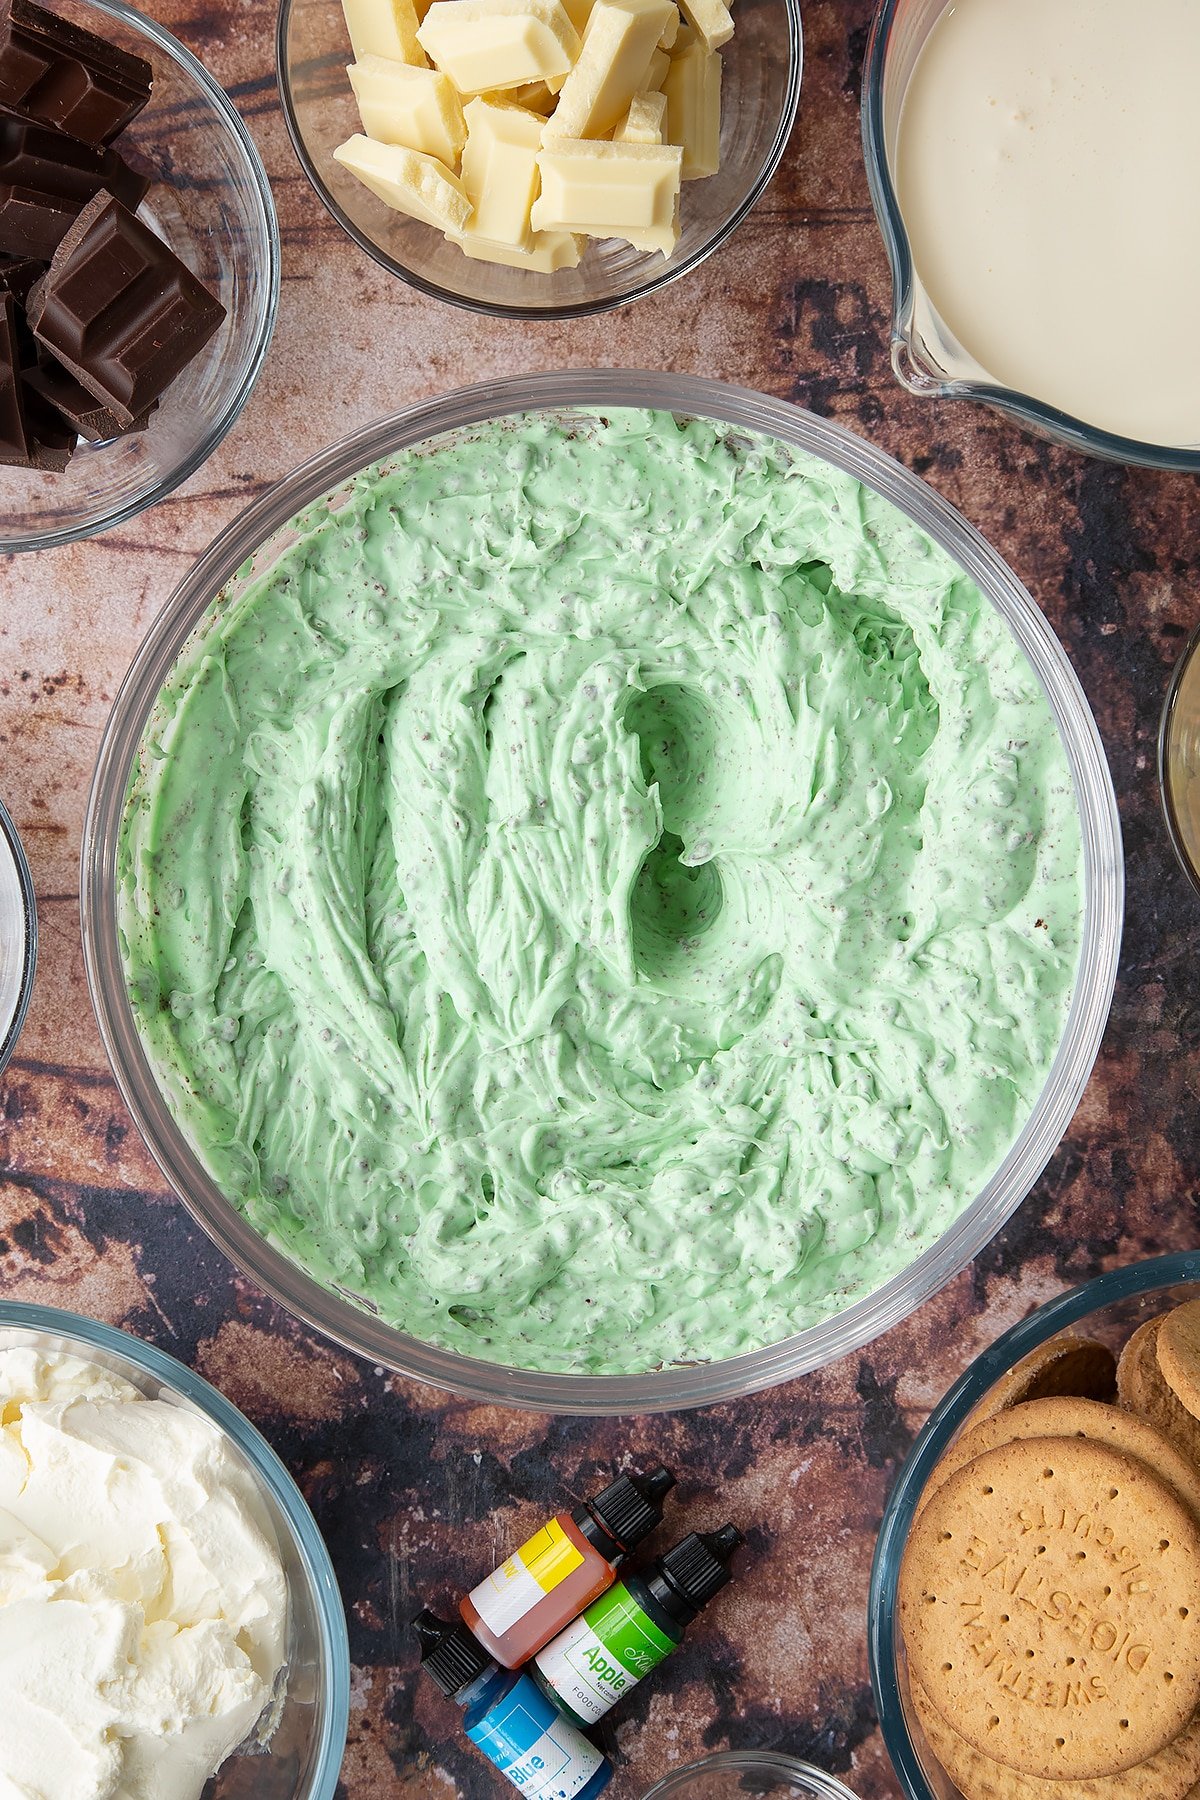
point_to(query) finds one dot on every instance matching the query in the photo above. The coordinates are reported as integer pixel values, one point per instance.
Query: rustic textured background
(417, 1493)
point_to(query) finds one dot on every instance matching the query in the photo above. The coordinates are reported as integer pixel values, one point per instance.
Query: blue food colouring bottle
(510, 1719)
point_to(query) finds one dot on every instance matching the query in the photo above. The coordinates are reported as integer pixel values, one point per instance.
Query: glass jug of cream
(1032, 165)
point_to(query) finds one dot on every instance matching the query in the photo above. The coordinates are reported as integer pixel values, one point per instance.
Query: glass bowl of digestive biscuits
(445, 187)
(1033, 1627)
(139, 268)
(501, 930)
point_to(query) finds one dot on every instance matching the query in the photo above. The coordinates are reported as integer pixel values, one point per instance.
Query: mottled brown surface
(416, 1492)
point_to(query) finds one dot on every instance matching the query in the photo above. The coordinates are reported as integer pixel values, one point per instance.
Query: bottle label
(604, 1654)
(530, 1742)
(531, 1573)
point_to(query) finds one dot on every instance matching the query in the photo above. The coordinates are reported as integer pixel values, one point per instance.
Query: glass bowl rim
(753, 1762)
(1171, 817)
(684, 1385)
(577, 309)
(12, 844)
(1152, 1275)
(222, 106)
(310, 1546)
(912, 375)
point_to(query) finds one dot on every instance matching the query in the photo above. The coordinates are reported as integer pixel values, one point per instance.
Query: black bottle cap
(449, 1654)
(698, 1568)
(630, 1508)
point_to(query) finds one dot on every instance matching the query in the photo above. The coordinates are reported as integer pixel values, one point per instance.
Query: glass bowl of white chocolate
(539, 158)
(170, 1622)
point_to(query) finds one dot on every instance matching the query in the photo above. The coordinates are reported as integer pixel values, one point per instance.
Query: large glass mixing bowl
(254, 536)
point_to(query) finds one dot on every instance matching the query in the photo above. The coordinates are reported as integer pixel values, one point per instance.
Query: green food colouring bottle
(624, 1635)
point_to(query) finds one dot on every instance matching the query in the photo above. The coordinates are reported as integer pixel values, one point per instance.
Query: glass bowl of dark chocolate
(139, 267)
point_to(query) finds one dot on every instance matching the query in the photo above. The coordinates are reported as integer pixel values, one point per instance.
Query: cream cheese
(143, 1606)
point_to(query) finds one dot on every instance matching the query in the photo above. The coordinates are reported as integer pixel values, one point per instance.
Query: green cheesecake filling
(608, 895)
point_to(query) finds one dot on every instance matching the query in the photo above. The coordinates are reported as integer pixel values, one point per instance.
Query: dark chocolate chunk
(15, 448)
(119, 309)
(47, 178)
(52, 440)
(32, 434)
(18, 274)
(63, 75)
(88, 417)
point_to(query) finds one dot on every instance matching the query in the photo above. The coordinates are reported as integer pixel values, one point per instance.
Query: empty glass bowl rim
(578, 309)
(754, 1762)
(1178, 676)
(268, 283)
(1059, 1314)
(680, 1385)
(91, 1335)
(1076, 432)
(12, 845)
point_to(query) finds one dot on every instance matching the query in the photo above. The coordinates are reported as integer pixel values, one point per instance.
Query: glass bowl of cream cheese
(1025, 164)
(1107, 1311)
(528, 877)
(170, 1622)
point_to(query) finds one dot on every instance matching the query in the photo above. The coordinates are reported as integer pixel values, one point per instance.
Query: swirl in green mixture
(608, 894)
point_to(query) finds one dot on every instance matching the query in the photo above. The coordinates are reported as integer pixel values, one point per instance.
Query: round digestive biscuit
(1142, 1388)
(1066, 1365)
(1171, 1775)
(1179, 1354)
(1050, 1606)
(1066, 1418)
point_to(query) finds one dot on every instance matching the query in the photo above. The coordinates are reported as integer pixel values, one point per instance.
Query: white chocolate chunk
(548, 251)
(711, 18)
(408, 182)
(500, 171)
(693, 90)
(541, 122)
(656, 74)
(419, 108)
(644, 122)
(621, 38)
(384, 28)
(604, 189)
(485, 45)
(535, 96)
(661, 237)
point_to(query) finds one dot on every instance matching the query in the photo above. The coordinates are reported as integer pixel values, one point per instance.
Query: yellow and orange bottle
(569, 1563)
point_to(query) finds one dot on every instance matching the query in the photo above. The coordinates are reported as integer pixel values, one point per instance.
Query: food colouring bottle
(518, 1729)
(569, 1563)
(635, 1626)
